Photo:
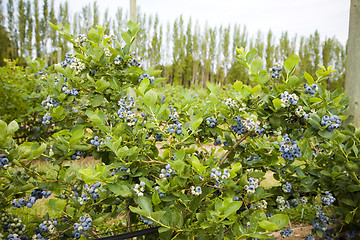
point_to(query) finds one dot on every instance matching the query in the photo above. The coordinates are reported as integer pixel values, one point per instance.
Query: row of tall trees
(188, 53)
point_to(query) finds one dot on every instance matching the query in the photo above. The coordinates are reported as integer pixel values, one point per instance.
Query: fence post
(352, 79)
(59, 55)
(133, 11)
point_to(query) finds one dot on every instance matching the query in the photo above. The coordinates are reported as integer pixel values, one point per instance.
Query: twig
(233, 148)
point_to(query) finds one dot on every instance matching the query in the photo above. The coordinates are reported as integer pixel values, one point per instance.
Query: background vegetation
(190, 54)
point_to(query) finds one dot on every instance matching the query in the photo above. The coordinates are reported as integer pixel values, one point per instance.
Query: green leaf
(250, 55)
(238, 85)
(150, 98)
(256, 65)
(155, 198)
(196, 124)
(256, 89)
(3, 132)
(294, 81)
(139, 211)
(157, 215)
(97, 100)
(54, 26)
(180, 155)
(12, 128)
(277, 103)
(232, 208)
(35, 153)
(281, 220)
(144, 85)
(93, 35)
(126, 37)
(268, 226)
(57, 204)
(120, 190)
(309, 78)
(145, 204)
(291, 63)
(327, 134)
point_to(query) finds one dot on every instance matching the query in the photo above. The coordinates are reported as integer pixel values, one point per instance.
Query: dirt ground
(301, 230)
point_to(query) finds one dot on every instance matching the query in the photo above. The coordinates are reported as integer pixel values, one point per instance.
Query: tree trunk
(352, 80)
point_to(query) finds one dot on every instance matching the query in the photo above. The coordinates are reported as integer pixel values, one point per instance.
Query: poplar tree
(53, 32)
(29, 28)
(22, 26)
(259, 44)
(95, 14)
(44, 27)
(1, 14)
(37, 29)
(270, 50)
(107, 21)
(10, 23)
(225, 49)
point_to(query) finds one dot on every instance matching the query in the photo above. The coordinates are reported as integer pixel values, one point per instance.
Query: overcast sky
(302, 17)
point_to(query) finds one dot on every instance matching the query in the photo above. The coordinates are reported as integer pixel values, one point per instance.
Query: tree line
(188, 53)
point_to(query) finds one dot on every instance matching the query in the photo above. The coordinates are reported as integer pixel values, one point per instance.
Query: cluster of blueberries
(81, 39)
(72, 92)
(125, 111)
(332, 122)
(46, 119)
(123, 169)
(211, 122)
(139, 188)
(82, 226)
(161, 194)
(253, 184)
(289, 149)
(134, 61)
(92, 190)
(282, 203)
(45, 227)
(196, 191)
(158, 137)
(13, 226)
(35, 195)
(96, 142)
(218, 142)
(77, 155)
(288, 99)
(68, 60)
(147, 222)
(175, 127)
(145, 75)
(166, 172)
(287, 187)
(218, 175)
(286, 233)
(239, 128)
(118, 60)
(3, 161)
(49, 103)
(328, 199)
(275, 71)
(320, 223)
(310, 89)
(254, 158)
(351, 234)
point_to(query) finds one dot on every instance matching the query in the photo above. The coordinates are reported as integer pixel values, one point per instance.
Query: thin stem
(233, 148)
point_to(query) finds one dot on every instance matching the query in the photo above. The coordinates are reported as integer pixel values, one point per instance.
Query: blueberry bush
(193, 162)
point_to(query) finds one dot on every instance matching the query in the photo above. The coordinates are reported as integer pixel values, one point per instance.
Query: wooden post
(59, 55)
(352, 80)
(133, 11)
